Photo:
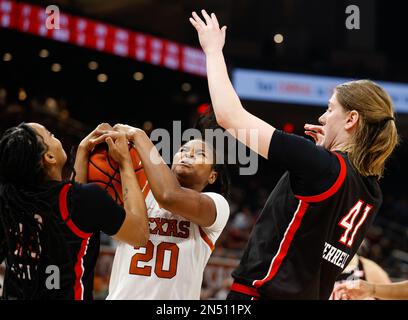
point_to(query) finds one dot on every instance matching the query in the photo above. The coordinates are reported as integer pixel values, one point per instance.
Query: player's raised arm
(228, 109)
(134, 229)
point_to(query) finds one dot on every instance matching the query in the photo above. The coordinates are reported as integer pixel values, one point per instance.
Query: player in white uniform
(184, 224)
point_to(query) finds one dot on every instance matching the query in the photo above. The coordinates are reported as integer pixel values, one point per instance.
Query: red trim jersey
(171, 265)
(84, 246)
(311, 225)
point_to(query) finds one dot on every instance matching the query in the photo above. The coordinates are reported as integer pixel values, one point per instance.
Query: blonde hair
(376, 134)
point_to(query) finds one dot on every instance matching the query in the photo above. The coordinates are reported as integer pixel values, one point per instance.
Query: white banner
(301, 88)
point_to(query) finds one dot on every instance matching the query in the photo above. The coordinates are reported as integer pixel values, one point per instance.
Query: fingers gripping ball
(104, 171)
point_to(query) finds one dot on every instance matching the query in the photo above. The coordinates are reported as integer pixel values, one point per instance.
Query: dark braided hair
(27, 224)
(222, 183)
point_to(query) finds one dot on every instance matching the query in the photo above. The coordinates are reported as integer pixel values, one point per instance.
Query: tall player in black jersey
(316, 217)
(46, 222)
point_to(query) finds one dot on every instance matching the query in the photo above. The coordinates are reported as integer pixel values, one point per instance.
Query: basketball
(104, 171)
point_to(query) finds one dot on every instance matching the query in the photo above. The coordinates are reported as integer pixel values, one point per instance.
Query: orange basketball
(104, 171)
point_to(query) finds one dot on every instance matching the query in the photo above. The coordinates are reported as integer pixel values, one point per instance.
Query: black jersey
(82, 211)
(311, 225)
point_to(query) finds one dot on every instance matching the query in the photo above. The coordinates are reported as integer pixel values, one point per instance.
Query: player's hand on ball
(91, 140)
(211, 37)
(316, 132)
(128, 130)
(118, 148)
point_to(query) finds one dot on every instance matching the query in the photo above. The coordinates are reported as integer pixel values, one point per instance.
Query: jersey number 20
(349, 222)
(159, 270)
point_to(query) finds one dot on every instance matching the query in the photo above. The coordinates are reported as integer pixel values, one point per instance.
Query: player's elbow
(139, 238)
(229, 119)
(223, 118)
(142, 234)
(141, 241)
(134, 230)
(137, 241)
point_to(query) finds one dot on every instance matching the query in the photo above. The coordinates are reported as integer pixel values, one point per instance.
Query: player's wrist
(82, 151)
(213, 52)
(125, 163)
(372, 289)
(137, 135)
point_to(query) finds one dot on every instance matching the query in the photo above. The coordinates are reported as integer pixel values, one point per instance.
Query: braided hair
(27, 224)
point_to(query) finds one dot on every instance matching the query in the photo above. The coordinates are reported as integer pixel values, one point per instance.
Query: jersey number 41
(351, 225)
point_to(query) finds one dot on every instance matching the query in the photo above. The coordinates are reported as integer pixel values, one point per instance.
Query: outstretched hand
(211, 37)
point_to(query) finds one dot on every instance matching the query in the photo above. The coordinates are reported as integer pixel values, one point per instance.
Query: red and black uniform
(311, 226)
(82, 211)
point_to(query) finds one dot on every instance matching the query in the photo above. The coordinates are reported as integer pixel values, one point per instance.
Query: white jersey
(171, 265)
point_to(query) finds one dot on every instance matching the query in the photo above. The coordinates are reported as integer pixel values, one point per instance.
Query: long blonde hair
(376, 134)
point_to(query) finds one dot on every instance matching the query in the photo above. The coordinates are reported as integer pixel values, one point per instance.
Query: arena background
(70, 83)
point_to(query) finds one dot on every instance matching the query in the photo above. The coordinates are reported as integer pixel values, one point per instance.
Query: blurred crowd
(386, 242)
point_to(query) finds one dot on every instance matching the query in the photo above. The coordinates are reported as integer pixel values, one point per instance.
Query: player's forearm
(225, 101)
(133, 199)
(162, 181)
(81, 166)
(395, 291)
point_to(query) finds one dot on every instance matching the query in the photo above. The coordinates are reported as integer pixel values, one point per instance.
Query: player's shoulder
(218, 199)
(223, 211)
(88, 191)
(88, 188)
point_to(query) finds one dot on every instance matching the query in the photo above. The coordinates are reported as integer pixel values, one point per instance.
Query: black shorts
(242, 292)
(233, 295)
